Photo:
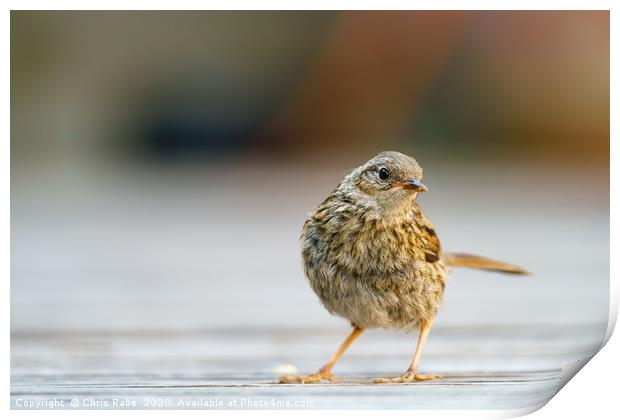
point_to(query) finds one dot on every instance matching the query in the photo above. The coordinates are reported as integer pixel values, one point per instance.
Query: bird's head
(388, 181)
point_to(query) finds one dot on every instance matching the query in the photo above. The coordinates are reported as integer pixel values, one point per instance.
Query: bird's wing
(428, 239)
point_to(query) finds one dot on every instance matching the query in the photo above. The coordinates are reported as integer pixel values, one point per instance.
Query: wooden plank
(482, 367)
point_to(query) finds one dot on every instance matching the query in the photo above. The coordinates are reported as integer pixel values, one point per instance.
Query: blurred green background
(171, 85)
(162, 163)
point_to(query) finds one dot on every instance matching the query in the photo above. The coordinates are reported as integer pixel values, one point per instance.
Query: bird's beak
(411, 184)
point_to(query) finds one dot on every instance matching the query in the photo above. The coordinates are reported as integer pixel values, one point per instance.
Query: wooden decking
(482, 368)
(188, 286)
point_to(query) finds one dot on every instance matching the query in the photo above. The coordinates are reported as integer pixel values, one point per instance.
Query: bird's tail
(481, 263)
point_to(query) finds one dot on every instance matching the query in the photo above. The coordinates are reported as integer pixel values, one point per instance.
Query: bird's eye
(384, 174)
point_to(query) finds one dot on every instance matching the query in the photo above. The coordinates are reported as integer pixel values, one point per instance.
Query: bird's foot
(308, 379)
(407, 377)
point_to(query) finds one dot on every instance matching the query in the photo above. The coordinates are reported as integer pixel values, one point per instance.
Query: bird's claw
(406, 378)
(308, 379)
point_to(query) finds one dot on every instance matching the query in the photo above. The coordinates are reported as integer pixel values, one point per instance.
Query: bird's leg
(325, 373)
(411, 375)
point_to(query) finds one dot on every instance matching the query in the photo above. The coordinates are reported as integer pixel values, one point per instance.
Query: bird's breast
(361, 247)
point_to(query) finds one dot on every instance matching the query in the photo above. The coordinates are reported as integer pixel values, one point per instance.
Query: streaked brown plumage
(373, 257)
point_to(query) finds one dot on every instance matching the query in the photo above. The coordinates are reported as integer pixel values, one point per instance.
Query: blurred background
(163, 163)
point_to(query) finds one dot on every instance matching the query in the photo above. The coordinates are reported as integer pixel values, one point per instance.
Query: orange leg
(325, 373)
(411, 374)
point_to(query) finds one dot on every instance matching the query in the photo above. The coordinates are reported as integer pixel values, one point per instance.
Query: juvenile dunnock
(373, 257)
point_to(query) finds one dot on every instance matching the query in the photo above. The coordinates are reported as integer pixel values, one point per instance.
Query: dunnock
(373, 257)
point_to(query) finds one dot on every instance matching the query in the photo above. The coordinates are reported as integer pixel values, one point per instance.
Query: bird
(372, 257)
